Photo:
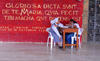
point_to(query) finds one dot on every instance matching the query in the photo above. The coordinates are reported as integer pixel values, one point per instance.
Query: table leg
(63, 46)
(63, 40)
(77, 41)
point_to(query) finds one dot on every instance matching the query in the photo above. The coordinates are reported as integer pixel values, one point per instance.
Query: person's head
(72, 21)
(58, 21)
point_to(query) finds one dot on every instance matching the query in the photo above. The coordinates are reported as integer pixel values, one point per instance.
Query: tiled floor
(40, 52)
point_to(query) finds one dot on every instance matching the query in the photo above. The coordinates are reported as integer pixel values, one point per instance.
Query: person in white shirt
(54, 31)
(68, 36)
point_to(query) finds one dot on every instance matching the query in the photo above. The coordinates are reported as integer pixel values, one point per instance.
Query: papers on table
(62, 26)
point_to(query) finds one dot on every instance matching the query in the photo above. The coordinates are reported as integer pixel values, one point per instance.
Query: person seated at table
(68, 36)
(54, 31)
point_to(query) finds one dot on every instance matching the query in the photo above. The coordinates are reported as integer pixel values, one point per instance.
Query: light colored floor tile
(40, 52)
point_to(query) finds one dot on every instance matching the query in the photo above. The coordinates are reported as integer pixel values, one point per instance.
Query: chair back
(81, 30)
(48, 31)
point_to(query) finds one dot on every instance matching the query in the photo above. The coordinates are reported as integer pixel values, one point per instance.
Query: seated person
(68, 36)
(55, 33)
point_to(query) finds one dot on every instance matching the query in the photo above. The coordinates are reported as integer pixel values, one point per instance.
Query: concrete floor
(40, 52)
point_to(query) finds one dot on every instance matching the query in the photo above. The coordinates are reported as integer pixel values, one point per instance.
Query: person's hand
(67, 24)
(55, 25)
(59, 38)
(70, 24)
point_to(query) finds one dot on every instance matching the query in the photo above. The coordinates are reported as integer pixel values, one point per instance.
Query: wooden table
(68, 30)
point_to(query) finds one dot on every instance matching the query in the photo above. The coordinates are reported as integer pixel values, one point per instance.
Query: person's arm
(55, 30)
(60, 25)
(76, 25)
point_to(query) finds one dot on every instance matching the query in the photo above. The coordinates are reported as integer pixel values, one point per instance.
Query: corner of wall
(85, 20)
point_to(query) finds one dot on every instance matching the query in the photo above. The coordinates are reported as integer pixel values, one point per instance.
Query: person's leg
(75, 39)
(60, 43)
(68, 37)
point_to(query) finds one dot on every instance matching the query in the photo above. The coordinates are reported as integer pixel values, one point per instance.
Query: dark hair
(73, 21)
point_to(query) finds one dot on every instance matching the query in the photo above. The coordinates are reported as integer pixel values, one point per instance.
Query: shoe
(60, 46)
